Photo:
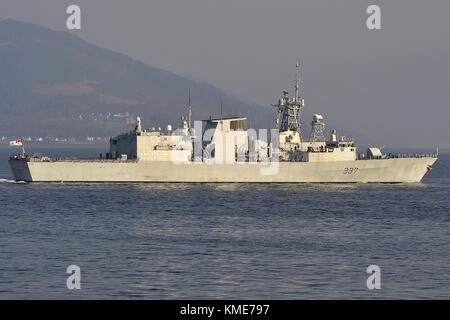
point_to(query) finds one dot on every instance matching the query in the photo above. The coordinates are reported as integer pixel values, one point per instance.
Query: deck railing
(399, 156)
(68, 159)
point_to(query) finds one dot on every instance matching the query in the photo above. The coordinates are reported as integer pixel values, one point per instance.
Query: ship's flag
(16, 143)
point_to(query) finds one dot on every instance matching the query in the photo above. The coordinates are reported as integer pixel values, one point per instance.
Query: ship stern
(20, 169)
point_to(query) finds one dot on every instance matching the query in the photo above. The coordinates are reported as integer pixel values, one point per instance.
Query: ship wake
(4, 180)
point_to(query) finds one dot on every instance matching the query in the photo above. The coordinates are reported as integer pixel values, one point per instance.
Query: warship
(223, 149)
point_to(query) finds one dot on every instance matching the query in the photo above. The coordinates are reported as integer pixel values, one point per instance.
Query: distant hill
(55, 84)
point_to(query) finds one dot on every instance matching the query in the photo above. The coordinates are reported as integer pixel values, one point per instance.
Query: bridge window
(238, 125)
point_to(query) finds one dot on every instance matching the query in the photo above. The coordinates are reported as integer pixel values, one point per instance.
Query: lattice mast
(317, 129)
(289, 109)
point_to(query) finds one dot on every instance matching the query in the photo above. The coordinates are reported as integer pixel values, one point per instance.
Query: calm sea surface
(277, 241)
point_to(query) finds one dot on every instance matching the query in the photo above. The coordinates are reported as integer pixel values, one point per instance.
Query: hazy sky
(392, 85)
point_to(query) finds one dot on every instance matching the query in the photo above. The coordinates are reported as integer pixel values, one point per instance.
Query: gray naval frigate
(223, 149)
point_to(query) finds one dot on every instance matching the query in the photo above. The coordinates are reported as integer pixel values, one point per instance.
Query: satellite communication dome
(317, 117)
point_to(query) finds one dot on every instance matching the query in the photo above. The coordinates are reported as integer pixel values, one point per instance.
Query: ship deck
(103, 160)
(71, 159)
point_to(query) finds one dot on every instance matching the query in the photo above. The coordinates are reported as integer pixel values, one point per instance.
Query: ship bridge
(224, 137)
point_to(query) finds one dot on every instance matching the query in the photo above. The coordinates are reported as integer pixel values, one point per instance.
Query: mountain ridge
(54, 82)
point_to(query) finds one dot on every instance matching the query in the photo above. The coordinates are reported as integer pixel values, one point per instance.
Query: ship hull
(394, 170)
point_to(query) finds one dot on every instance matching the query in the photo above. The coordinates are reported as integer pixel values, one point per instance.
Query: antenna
(221, 108)
(189, 111)
(23, 147)
(297, 81)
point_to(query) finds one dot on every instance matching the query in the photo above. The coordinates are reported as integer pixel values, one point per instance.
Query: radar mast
(289, 109)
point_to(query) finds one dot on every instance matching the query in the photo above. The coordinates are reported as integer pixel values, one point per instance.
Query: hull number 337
(350, 170)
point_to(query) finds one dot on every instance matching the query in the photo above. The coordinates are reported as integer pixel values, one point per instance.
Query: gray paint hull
(396, 170)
